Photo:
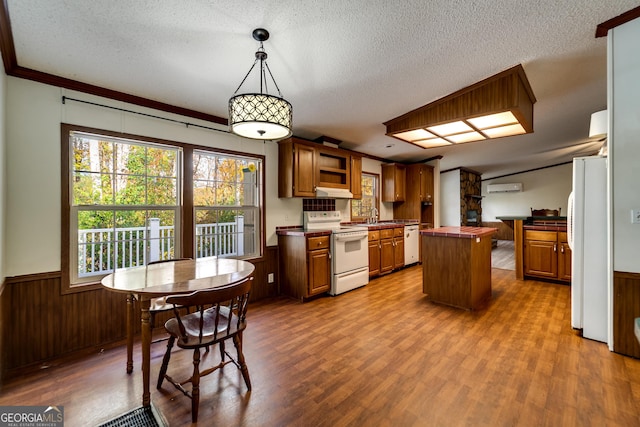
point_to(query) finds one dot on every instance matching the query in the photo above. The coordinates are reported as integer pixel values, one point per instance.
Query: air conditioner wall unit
(513, 187)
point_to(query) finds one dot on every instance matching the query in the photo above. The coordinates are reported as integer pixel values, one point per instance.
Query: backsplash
(318, 205)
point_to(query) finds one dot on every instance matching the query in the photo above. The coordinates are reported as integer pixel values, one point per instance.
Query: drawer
(374, 235)
(547, 236)
(321, 242)
(562, 236)
(398, 232)
(386, 233)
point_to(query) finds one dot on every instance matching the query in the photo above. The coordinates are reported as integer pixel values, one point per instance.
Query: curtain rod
(187, 124)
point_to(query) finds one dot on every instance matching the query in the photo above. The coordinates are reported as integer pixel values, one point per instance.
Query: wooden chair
(159, 305)
(225, 319)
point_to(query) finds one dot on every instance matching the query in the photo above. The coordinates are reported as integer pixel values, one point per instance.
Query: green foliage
(110, 173)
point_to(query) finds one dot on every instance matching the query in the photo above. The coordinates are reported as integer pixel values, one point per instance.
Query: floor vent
(139, 417)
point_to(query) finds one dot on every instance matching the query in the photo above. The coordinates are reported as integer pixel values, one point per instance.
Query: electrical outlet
(635, 216)
(270, 278)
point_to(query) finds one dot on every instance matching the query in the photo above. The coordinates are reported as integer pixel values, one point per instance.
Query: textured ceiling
(346, 67)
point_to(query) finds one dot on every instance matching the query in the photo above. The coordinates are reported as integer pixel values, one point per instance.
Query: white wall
(32, 184)
(3, 144)
(32, 210)
(542, 189)
(624, 143)
(450, 198)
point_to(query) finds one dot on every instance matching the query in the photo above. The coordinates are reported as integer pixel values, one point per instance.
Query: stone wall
(470, 195)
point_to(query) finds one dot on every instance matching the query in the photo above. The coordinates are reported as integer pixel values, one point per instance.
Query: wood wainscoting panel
(505, 232)
(40, 323)
(626, 307)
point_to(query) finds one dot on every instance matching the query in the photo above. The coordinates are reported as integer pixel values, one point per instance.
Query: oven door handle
(347, 238)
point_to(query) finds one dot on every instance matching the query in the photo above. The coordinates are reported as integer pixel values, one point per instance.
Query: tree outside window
(124, 203)
(363, 208)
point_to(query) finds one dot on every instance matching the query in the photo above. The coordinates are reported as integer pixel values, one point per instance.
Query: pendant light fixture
(260, 115)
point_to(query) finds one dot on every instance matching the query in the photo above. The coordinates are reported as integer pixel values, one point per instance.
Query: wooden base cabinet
(626, 307)
(547, 255)
(398, 248)
(386, 250)
(374, 253)
(305, 265)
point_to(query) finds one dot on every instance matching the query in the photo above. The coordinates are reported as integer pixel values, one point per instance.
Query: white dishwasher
(411, 244)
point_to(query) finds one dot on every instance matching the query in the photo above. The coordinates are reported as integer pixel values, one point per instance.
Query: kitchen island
(456, 265)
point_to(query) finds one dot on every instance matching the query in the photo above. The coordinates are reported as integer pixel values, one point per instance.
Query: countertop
(298, 230)
(379, 225)
(460, 232)
(531, 218)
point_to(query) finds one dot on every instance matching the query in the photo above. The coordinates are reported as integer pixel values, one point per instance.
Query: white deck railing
(101, 250)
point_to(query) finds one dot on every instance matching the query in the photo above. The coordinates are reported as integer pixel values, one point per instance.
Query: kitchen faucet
(374, 216)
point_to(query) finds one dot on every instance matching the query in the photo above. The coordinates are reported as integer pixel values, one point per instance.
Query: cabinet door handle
(555, 248)
(562, 248)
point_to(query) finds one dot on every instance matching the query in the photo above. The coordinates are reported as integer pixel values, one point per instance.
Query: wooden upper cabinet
(304, 177)
(296, 169)
(393, 182)
(304, 165)
(356, 176)
(426, 183)
(333, 168)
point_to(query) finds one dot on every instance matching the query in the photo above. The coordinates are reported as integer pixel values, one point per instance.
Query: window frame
(376, 196)
(186, 217)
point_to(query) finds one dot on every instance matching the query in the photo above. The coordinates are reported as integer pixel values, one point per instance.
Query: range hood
(333, 193)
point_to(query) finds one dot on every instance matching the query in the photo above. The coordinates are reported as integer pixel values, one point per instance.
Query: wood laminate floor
(503, 255)
(382, 355)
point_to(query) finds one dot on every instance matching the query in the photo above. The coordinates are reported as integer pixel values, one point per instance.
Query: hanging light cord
(261, 56)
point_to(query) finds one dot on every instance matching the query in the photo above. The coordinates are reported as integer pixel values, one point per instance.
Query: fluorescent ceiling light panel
(450, 128)
(493, 120)
(498, 106)
(501, 131)
(414, 135)
(466, 137)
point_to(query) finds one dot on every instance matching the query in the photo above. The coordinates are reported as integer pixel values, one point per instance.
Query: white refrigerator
(588, 230)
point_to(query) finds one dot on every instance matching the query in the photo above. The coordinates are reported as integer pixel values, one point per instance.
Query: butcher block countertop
(459, 232)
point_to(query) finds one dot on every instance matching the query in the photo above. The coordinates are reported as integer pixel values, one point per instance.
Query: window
(226, 202)
(125, 204)
(364, 208)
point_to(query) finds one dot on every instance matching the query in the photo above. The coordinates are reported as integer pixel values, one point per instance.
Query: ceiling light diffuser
(499, 106)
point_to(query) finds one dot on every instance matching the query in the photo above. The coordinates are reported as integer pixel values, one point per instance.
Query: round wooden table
(168, 278)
